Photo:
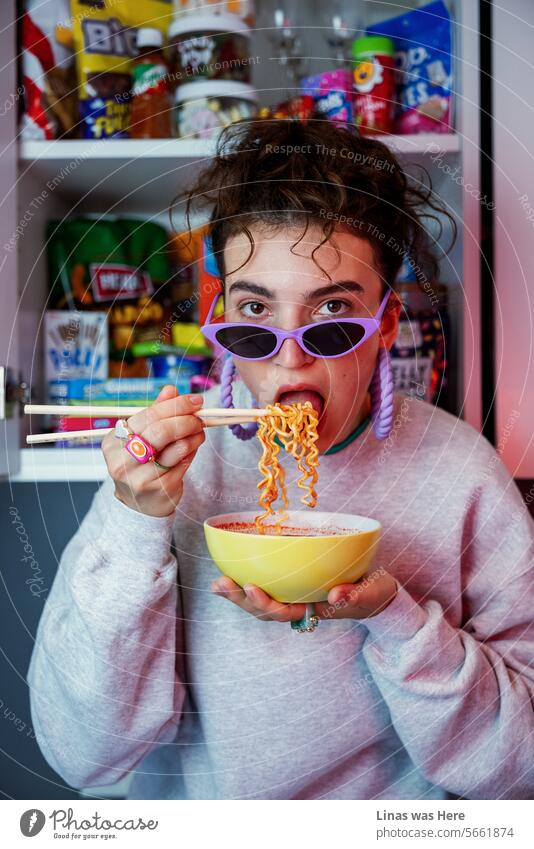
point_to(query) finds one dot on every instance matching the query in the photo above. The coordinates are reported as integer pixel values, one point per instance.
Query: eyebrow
(323, 291)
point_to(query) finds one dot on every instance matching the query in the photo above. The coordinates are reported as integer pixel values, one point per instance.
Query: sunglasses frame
(370, 326)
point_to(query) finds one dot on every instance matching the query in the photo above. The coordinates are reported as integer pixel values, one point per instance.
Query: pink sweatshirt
(137, 666)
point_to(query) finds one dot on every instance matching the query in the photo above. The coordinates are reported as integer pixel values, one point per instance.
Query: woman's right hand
(171, 427)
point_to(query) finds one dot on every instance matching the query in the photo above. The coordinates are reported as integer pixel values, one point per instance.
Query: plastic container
(242, 8)
(151, 105)
(374, 83)
(209, 47)
(204, 108)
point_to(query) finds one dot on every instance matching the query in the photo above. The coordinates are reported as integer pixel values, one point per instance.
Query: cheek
(350, 376)
(252, 374)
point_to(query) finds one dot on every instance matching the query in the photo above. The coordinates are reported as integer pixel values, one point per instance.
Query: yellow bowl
(294, 568)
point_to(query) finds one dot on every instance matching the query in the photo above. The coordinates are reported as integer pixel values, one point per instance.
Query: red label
(119, 282)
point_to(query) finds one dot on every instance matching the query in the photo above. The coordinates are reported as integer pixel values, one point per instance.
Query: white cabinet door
(513, 112)
(9, 103)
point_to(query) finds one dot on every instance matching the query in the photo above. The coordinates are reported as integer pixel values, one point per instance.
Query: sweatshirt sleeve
(461, 698)
(103, 684)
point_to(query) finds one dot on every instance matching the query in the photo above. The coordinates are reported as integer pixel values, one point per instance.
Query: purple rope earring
(381, 391)
(248, 430)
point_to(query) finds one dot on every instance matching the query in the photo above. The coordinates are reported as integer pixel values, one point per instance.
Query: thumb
(343, 592)
(169, 391)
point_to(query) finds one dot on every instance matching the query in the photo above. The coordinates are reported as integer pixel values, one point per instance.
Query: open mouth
(299, 395)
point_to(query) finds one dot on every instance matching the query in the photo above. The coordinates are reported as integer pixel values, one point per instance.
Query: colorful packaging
(121, 266)
(76, 344)
(332, 94)
(418, 354)
(48, 75)
(67, 424)
(300, 108)
(133, 391)
(104, 36)
(423, 42)
(374, 84)
(117, 262)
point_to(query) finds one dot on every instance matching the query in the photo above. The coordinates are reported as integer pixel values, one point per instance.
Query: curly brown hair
(288, 173)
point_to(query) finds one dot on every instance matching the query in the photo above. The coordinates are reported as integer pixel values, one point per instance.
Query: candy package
(48, 75)
(423, 56)
(104, 36)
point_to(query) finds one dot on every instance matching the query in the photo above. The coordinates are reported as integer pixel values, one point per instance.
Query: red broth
(286, 531)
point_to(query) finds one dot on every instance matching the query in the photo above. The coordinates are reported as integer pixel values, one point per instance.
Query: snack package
(130, 391)
(48, 76)
(76, 345)
(67, 424)
(104, 36)
(115, 265)
(423, 41)
(332, 93)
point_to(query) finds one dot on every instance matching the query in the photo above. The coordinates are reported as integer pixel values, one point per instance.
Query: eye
(334, 307)
(257, 310)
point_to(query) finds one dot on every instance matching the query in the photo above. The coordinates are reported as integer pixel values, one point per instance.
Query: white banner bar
(256, 825)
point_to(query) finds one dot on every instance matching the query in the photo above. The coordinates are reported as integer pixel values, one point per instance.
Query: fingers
(257, 602)
(175, 439)
(169, 391)
(168, 420)
(179, 451)
(367, 597)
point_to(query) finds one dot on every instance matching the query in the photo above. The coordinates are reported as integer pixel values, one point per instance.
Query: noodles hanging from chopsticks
(295, 426)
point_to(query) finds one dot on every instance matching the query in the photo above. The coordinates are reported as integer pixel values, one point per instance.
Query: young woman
(417, 682)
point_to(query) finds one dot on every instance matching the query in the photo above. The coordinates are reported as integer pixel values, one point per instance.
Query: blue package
(104, 118)
(173, 366)
(114, 390)
(423, 47)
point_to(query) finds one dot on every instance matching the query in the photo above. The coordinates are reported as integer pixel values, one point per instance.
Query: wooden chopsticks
(211, 416)
(121, 412)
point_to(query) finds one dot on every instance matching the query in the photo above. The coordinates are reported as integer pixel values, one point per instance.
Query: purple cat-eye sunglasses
(328, 339)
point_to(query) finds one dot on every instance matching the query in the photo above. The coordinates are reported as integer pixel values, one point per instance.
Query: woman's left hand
(369, 596)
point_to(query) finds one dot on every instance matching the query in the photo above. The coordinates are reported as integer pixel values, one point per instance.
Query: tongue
(301, 397)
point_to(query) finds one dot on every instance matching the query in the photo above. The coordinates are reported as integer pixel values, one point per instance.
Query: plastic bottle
(151, 105)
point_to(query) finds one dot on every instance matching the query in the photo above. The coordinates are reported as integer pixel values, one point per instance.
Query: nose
(291, 355)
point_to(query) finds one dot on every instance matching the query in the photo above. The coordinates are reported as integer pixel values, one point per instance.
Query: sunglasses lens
(246, 341)
(333, 338)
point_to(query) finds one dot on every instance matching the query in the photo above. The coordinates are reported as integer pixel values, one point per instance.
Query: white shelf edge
(31, 151)
(109, 149)
(54, 465)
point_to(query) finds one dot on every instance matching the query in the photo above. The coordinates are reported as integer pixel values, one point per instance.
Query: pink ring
(139, 448)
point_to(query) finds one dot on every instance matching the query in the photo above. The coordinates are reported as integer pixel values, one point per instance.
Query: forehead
(281, 256)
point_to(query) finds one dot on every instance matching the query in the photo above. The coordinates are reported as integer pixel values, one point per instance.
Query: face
(286, 289)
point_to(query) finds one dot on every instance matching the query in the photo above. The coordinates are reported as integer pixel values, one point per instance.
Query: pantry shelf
(105, 175)
(49, 465)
